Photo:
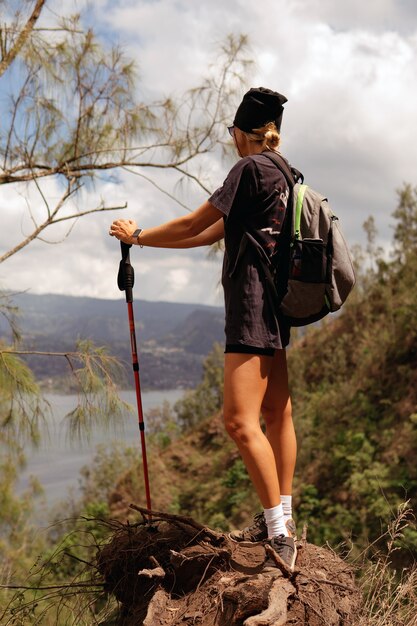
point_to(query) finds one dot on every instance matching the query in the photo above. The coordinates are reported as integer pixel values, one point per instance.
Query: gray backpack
(313, 273)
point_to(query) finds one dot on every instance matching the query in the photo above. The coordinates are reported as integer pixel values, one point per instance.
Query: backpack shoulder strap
(292, 175)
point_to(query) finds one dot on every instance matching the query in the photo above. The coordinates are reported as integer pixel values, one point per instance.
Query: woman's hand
(123, 230)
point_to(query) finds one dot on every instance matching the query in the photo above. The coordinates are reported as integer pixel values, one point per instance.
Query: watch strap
(136, 234)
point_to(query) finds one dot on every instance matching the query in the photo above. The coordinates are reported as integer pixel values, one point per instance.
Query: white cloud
(376, 16)
(349, 72)
(86, 263)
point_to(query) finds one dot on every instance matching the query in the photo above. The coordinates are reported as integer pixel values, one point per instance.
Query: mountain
(173, 338)
(195, 333)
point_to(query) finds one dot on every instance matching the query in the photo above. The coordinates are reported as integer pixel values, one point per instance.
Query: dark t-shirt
(253, 199)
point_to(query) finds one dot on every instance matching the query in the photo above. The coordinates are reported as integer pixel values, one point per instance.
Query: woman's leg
(277, 414)
(245, 384)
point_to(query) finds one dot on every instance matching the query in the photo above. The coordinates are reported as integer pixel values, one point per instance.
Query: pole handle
(126, 275)
(125, 247)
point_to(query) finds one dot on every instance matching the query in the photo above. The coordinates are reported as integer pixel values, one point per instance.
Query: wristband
(136, 234)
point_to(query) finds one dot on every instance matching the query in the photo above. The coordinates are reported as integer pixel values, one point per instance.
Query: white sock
(274, 518)
(286, 502)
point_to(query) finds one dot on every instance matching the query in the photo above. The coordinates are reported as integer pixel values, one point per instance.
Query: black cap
(258, 107)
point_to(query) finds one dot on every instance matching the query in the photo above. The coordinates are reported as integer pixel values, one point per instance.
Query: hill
(173, 338)
(354, 387)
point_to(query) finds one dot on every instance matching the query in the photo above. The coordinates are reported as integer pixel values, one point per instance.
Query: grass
(390, 596)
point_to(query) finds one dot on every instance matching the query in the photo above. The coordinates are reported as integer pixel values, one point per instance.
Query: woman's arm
(213, 233)
(199, 228)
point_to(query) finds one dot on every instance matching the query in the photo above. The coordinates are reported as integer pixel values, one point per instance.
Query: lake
(56, 462)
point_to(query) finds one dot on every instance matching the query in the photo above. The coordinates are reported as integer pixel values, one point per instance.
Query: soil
(170, 570)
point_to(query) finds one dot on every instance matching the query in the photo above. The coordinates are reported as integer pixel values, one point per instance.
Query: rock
(170, 570)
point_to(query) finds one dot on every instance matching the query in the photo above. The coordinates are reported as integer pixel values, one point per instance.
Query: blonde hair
(267, 134)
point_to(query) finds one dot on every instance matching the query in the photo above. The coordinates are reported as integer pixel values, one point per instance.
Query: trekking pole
(125, 282)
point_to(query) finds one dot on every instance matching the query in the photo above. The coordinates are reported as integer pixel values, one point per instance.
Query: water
(56, 462)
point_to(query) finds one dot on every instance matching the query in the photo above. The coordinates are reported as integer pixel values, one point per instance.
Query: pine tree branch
(42, 353)
(22, 38)
(106, 129)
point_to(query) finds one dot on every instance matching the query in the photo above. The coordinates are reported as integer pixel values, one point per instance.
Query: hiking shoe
(285, 548)
(291, 528)
(252, 534)
(258, 531)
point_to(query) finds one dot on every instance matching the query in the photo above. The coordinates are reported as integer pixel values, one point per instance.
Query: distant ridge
(173, 337)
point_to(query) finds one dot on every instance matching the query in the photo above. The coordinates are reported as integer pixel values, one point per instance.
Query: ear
(241, 142)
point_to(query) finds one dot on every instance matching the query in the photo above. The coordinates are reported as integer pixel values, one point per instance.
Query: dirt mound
(172, 570)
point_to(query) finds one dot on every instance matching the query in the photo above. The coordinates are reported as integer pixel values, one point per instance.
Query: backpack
(312, 273)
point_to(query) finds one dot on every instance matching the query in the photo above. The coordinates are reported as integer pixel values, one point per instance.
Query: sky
(349, 71)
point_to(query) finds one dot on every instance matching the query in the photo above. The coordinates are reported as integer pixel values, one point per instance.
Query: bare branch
(88, 212)
(53, 220)
(42, 170)
(69, 192)
(12, 122)
(43, 198)
(159, 188)
(63, 586)
(195, 178)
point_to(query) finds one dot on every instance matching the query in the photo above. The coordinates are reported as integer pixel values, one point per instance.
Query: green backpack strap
(298, 209)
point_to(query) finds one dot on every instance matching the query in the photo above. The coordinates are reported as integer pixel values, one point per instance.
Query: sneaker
(258, 531)
(291, 528)
(286, 549)
(254, 533)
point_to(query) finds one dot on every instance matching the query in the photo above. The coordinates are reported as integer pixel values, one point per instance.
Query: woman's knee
(238, 429)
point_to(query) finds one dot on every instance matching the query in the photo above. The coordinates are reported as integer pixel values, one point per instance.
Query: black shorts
(241, 348)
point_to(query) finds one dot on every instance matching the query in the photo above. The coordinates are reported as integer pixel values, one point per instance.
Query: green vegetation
(355, 397)
(354, 391)
(207, 398)
(354, 394)
(353, 385)
(48, 577)
(353, 378)
(70, 114)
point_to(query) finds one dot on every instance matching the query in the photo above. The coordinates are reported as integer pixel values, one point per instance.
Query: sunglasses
(231, 130)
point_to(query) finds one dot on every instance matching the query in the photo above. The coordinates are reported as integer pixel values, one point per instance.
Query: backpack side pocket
(308, 261)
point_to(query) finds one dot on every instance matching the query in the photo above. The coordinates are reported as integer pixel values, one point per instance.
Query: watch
(136, 235)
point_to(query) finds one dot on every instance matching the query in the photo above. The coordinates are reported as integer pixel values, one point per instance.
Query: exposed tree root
(170, 570)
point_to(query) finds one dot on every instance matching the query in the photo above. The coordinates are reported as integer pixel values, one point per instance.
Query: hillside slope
(354, 387)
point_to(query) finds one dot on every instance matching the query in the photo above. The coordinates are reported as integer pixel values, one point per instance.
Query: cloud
(349, 72)
(376, 16)
(86, 262)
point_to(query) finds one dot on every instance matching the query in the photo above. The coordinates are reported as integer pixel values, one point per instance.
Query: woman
(248, 211)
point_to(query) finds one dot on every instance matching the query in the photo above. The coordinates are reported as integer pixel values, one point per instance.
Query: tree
(405, 232)
(74, 112)
(207, 398)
